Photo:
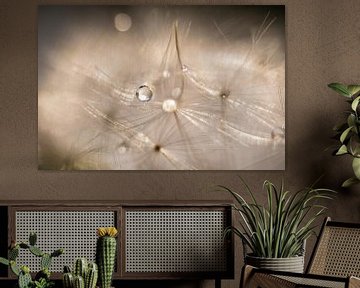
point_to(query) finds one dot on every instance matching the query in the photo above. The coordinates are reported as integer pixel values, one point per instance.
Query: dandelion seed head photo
(161, 87)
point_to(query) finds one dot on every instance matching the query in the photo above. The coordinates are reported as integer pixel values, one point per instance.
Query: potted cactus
(84, 275)
(106, 254)
(42, 278)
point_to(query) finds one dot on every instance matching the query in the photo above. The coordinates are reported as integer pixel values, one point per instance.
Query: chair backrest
(337, 251)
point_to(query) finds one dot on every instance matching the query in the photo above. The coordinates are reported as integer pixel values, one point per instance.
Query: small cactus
(36, 251)
(79, 282)
(13, 253)
(24, 278)
(14, 268)
(68, 280)
(25, 269)
(57, 252)
(45, 261)
(67, 269)
(91, 276)
(89, 272)
(80, 268)
(32, 238)
(106, 254)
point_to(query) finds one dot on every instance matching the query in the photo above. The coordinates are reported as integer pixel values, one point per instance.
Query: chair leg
(217, 283)
(246, 273)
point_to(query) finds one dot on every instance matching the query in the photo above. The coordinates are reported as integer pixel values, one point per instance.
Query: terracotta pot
(291, 264)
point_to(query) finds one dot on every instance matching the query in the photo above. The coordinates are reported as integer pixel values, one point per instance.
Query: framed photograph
(142, 87)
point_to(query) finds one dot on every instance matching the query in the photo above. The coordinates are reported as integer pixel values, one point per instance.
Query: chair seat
(335, 262)
(267, 279)
(315, 282)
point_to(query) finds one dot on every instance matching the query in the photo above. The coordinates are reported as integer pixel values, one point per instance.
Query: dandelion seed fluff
(176, 92)
(122, 149)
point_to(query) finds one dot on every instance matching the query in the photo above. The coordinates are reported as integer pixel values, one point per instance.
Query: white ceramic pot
(291, 264)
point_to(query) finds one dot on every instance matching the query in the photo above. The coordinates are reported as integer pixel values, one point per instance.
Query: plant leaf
(14, 268)
(345, 134)
(279, 228)
(355, 103)
(356, 167)
(13, 253)
(351, 119)
(340, 88)
(353, 89)
(4, 261)
(342, 150)
(349, 182)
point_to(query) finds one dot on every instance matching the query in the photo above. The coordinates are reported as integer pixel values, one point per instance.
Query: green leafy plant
(42, 278)
(279, 229)
(348, 132)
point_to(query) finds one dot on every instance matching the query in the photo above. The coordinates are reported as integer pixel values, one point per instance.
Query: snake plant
(279, 228)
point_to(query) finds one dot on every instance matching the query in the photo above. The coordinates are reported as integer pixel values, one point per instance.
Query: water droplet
(122, 22)
(169, 105)
(144, 93)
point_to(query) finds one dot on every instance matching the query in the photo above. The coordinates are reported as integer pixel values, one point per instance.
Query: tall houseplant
(348, 132)
(276, 233)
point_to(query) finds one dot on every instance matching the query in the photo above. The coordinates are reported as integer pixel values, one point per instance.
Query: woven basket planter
(291, 264)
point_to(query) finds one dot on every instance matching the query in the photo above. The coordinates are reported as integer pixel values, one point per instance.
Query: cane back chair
(335, 262)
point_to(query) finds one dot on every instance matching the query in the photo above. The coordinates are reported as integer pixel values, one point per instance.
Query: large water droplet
(144, 93)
